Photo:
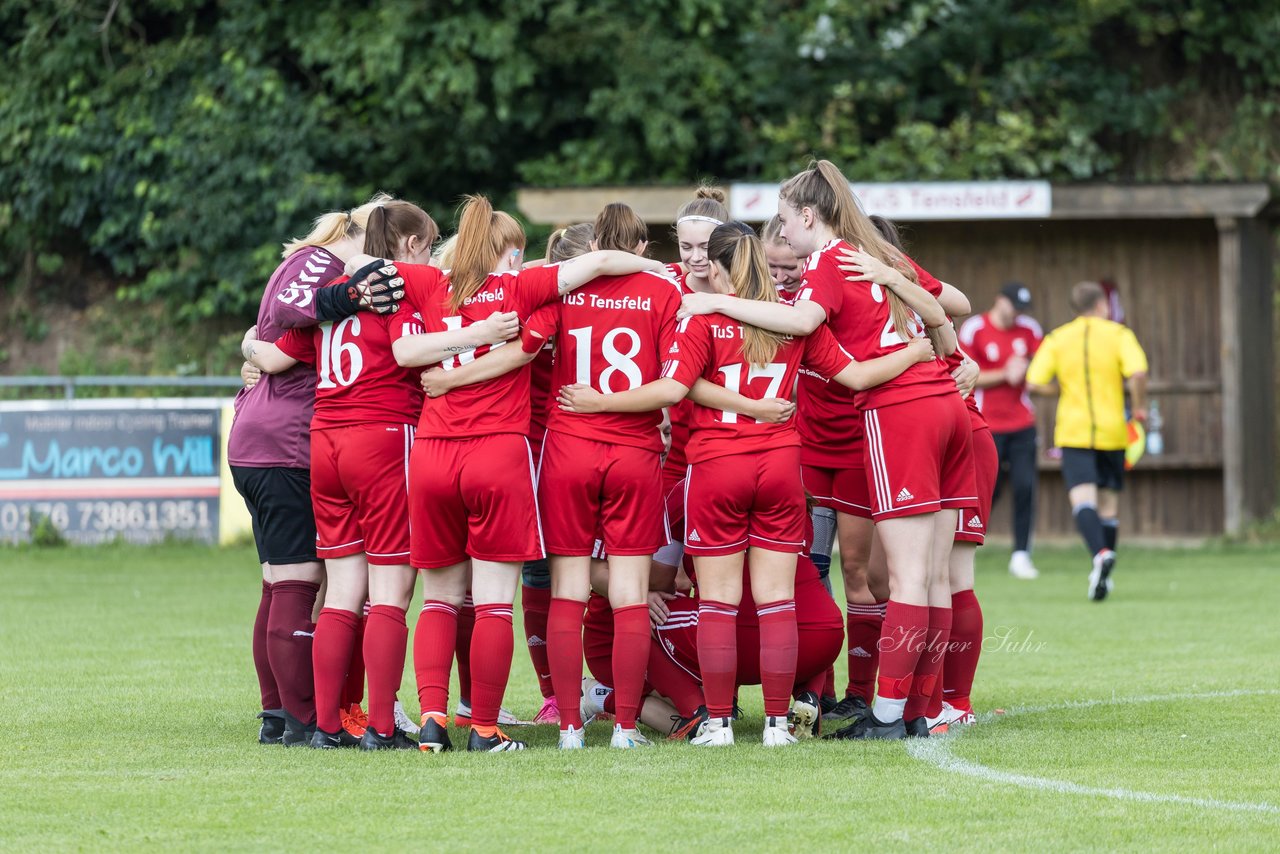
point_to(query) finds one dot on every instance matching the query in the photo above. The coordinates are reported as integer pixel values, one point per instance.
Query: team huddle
(659, 457)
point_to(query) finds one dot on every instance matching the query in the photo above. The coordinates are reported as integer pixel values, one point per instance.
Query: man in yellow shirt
(1091, 359)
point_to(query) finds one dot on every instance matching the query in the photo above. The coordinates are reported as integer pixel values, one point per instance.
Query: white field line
(938, 752)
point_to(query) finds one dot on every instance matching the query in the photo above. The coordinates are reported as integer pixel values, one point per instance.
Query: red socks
(564, 651)
(864, 623)
(928, 670)
(433, 645)
(330, 654)
(965, 648)
(289, 634)
(353, 690)
(536, 604)
(779, 642)
(466, 625)
(902, 640)
(491, 645)
(630, 655)
(718, 655)
(385, 636)
(261, 663)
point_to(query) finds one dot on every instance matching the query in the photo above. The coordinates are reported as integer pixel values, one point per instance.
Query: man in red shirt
(1002, 342)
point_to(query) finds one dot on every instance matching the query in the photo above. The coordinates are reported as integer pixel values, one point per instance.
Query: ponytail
(389, 224)
(483, 235)
(332, 227)
(570, 242)
(823, 189)
(736, 248)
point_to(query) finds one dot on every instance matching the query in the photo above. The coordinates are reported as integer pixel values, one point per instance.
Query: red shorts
(971, 525)
(537, 435)
(918, 456)
(842, 490)
(742, 500)
(593, 489)
(473, 498)
(359, 491)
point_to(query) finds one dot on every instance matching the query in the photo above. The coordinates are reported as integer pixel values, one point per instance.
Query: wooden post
(1232, 400)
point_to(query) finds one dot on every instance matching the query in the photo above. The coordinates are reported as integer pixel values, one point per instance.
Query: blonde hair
(619, 227)
(442, 257)
(334, 226)
(825, 190)
(771, 231)
(736, 247)
(570, 242)
(483, 235)
(707, 202)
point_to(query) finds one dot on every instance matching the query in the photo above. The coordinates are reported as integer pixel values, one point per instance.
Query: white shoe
(593, 696)
(954, 717)
(776, 733)
(1100, 582)
(627, 738)
(716, 732)
(462, 716)
(1020, 566)
(571, 738)
(404, 723)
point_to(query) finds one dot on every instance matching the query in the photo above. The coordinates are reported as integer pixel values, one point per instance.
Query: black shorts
(1085, 465)
(279, 502)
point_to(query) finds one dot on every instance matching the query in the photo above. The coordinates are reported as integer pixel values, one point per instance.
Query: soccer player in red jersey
(535, 589)
(361, 436)
(743, 489)
(603, 472)
(471, 480)
(917, 433)
(1002, 341)
(269, 454)
(695, 221)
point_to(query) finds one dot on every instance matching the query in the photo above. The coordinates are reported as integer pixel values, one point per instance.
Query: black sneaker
(851, 708)
(272, 729)
(828, 703)
(499, 742)
(687, 728)
(917, 727)
(331, 741)
(296, 733)
(433, 737)
(806, 715)
(871, 728)
(397, 741)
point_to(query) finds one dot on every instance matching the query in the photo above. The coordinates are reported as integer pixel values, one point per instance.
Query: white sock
(886, 710)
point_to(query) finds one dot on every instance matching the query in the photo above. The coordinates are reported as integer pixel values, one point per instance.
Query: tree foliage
(176, 143)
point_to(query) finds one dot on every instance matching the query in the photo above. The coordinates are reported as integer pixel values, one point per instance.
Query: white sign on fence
(956, 200)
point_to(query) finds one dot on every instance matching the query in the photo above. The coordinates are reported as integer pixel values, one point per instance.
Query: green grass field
(1144, 722)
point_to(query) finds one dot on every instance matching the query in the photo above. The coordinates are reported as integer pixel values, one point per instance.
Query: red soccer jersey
(860, 318)
(710, 346)
(499, 405)
(358, 380)
(612, 335)
(681, 414)
(540, 398)
(1007, 408)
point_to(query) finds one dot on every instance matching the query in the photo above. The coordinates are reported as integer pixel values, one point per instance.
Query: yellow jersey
(1091, 358)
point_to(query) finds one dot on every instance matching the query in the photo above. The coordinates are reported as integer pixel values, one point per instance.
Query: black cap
(1018, 294)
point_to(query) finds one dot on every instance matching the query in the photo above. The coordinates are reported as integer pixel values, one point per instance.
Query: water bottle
(1155, 439)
